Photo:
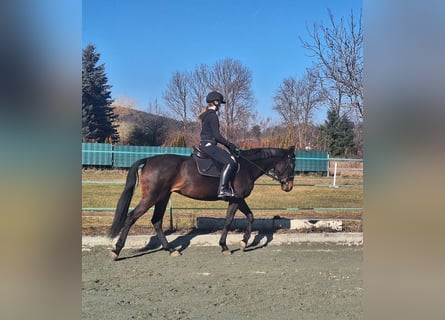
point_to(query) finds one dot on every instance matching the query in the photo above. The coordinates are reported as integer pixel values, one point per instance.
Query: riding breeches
(216, 153)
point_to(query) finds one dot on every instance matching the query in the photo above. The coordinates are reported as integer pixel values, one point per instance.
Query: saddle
(206, 165)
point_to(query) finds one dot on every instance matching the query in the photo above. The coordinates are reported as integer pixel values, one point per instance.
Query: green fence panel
(125, 156)
(178, 150)
(119, 156)
(311, 161)
(96, 154)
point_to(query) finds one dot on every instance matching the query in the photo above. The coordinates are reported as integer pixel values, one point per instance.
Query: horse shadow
(258, 242)
(180, 243)
(261, 240)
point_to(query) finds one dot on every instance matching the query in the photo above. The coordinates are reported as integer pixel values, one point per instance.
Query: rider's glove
(234, 149)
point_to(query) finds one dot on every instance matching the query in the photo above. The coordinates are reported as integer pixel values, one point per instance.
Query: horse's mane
(262, 153)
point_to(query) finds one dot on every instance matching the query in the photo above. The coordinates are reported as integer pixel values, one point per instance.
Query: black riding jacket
(210, 128)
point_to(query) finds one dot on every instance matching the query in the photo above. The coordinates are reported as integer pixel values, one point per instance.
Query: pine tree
(337, 134)
(98, 118)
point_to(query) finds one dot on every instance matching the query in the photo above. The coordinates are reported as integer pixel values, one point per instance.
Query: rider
(210, 136)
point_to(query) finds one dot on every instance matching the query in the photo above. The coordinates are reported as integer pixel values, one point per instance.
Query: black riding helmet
(214, 95)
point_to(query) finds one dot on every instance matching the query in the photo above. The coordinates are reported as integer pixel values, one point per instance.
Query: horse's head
(284, 170)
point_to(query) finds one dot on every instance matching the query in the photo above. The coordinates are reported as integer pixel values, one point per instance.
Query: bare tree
(125, 101)
(186, 94)
(296, 101)
(153, 107)
(339, 51)
(177, 97)
(199, 83)
(286, 102)
(234, 81)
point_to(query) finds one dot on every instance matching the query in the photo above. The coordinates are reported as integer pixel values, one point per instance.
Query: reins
(267, 173)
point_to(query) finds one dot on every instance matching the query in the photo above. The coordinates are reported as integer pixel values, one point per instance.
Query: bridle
(290, 159)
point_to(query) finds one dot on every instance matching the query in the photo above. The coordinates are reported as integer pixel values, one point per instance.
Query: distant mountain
(142, 128)
(133, 116)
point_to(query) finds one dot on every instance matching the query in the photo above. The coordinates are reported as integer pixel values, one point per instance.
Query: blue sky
(143, 42)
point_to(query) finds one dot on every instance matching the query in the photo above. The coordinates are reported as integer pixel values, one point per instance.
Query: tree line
(334, 80)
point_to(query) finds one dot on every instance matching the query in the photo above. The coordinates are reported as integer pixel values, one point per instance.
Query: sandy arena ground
(274, 279)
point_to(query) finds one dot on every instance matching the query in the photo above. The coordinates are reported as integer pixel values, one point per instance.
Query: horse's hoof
(175, 253)
(242, 244)
(113, 255)
(227, 253)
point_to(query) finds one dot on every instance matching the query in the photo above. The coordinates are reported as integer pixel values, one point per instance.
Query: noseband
(289, 177)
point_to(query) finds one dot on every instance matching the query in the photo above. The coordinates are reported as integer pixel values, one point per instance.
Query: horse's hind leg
(244, 208)
(132, 217)
(156, 220)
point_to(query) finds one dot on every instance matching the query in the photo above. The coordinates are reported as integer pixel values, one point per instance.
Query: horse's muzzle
(287, 186)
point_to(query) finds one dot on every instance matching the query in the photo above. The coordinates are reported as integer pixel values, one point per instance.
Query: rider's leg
(229, 169)
(227, 175)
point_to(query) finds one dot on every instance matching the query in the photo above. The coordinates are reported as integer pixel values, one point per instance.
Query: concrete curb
(208, 223)
(198, 239)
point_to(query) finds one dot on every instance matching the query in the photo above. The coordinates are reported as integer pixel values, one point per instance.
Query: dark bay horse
(163, 174)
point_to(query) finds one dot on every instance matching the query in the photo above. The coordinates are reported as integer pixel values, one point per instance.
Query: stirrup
(222, 194)
(225, 194)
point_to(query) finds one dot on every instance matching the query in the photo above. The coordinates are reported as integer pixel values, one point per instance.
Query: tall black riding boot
(226, 174)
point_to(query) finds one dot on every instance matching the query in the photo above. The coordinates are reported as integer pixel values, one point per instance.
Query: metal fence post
(171, 214)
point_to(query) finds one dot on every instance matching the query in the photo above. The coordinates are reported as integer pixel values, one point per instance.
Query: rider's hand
(234, 149)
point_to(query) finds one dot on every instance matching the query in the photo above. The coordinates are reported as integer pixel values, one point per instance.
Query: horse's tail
(124, 201)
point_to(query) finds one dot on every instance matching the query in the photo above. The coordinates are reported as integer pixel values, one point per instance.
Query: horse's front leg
(231, 209)
(249, 216)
